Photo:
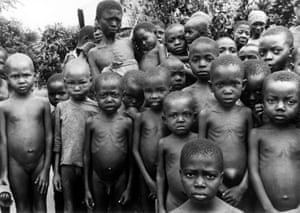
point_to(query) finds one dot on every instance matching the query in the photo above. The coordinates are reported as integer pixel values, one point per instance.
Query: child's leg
(20, 186)
(148, 203)
(100, 194)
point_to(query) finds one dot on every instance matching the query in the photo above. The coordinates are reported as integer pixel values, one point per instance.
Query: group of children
(203, 126)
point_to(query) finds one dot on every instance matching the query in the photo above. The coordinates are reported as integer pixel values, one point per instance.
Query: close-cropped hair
(204, 148)
(179, 95)
(239, 23)
(147, 26)
(158, 73)
(226, 60)
(107, 5)
(205, 40)
(255, 67)
(135, 77)
(172, 61)
(54, 78)
(158, 23)
(276, 30)
(106, 76)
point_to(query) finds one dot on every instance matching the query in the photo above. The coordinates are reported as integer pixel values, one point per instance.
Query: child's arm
(161, 178)
(43, 178)
(88, 198)
(3, 149)
(254, 172)
(57, 149)
(202, 123)
(138, 125)
(92, 62)
(125, 197)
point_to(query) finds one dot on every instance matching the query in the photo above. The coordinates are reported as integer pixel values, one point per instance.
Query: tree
(6, 4)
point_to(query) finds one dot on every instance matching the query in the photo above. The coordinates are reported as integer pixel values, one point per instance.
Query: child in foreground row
(201, 172)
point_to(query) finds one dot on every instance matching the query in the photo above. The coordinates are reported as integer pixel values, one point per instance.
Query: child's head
(258, 20)
(177, 72)
(108, 89)
(133, 94)
(179, 112)
(281, 95)
(20, 73)
(195, 27)
(201, 170)
(109, 17)
(256, 71)
(249, 51)
(202, 53)
(77, 78)
(3, 57)
(156, 87)
(296, 57)
(296, 5)
(174, 39)
(85, 36)
(227, 79)
(241, 33)
(227, 46)
(276, 46)
(144, 37)
(56, 89)
(159, 30)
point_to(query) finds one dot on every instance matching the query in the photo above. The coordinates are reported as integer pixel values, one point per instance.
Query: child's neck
(21, 96)
(202, 82)
(226, 108)
(182, 136)
(203, 206)
(108, 40)
(282, 126)
(157, 110)
(78, 100)
(108, 116)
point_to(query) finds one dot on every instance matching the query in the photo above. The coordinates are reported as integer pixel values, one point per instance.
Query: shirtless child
(274, 148)
(107, 161)
(228, 124)
(26, 138)
(148, 51)
(179, 113)
(201, 172)
(202, 53)
(148, 130)
(227, 46)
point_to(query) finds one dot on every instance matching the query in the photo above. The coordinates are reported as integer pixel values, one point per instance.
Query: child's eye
(210, 177)
(270, 101)
(276, 51)
(221, 50)
(187, 114)
(291, 102)
(189, 174)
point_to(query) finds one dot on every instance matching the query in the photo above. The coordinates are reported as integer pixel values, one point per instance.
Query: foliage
(6, 4)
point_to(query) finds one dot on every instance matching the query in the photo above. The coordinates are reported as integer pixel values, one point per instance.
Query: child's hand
(125, 197)
(57, 182)
(88, 199)
(292, 211)
(152, 187)
(42, 181)
(4, 181)
(259, 109)
(233, 195)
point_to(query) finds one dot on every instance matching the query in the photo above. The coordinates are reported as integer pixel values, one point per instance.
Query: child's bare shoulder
(226, 208)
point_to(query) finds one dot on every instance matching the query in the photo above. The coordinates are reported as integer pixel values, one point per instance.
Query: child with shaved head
(70, 123)
(26, 138)
(274, 148)
(201, 172)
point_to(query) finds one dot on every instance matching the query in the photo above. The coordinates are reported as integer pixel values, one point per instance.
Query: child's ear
(164, 118)
(210, 85)
(244, 84)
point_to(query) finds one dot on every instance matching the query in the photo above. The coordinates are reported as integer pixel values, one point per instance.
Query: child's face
(281, 101)
(145, 40)
(227, 84)
(252, 94)
(201, 178)
(155, 90)
(242, 34)
(2, 61)
(109, 95)
(227, 47)
(201, 58)
(274, 50)
(191, 33)
(133, 96)
(247, 53)
(178, 78)
(110, 22)
(21, 76)
(57, 92)
(297, 63)
(179, 115)
(175, 42)
(77, 84)
(160, 33)
(257, 28)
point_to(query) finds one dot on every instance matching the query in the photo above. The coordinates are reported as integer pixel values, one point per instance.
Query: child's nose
(199, 182)
(269, 56)
(280, 105)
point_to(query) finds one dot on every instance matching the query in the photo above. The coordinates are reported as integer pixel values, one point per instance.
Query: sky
(36, 14)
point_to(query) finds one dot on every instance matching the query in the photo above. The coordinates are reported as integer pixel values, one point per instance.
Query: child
(159, 30)
(107, 161)
(175, 42)
(296, 58)
(241, 33)
(274, 148)
(148, 51)
(56, 93)
(148, 130)
(70, 119)
(276, 46)
(228, 124)
(177, 71)
(195, 27)
(227, 46)
(249, 51)
(4, 93)
(202, 53)
(256, 71)
(179, 113)
(201, 172)
(258, 20)
(26, 138)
